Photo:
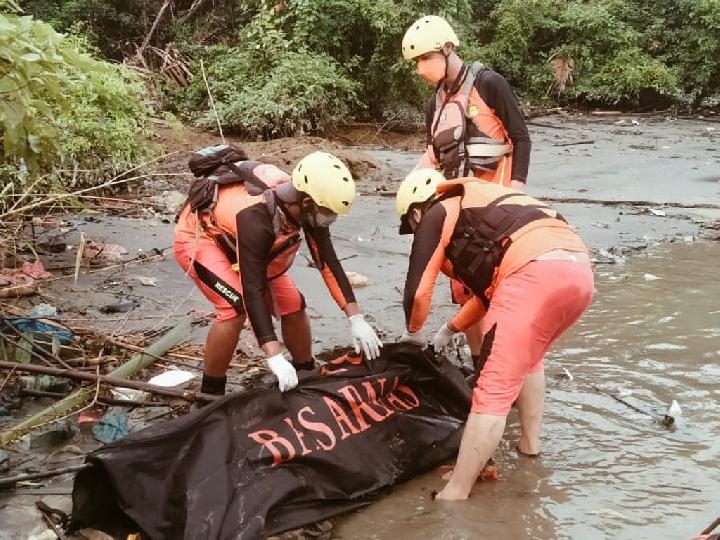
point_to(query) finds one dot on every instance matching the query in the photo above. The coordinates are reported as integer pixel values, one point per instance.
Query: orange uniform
(490, 239)
(483, 118)
(255, 232)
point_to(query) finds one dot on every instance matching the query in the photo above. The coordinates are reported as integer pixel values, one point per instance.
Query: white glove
(364, 336)
(284, 371)
(442, 338)
(414, 338)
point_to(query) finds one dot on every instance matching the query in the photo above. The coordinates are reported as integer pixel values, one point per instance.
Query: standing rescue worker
(474, 124)
(531, 279)
(247, 214)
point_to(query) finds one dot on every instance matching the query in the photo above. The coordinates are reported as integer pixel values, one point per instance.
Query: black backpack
(217, 166)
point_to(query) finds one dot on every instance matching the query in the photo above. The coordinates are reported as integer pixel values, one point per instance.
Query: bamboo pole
(82, 396)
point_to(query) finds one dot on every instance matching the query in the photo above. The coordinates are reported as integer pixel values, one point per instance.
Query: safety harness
(483, 235)
(457, 151)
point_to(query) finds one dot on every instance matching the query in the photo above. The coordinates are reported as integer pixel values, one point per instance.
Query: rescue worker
(531, 279)
(473, 121)
(256, 223)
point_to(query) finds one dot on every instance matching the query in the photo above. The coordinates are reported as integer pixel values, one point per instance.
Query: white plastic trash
(174, 377)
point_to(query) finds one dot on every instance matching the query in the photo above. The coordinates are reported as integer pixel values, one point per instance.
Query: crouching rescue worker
(531, 279)
(247, 214)
(474, 125)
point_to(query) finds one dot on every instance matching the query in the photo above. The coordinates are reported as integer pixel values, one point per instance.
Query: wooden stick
(110, 380)
(12, 480)
(212, 101)
(573, 143)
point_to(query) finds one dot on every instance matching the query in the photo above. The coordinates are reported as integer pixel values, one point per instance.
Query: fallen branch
(106, 379)
(573, 143)
(12, 480)
(115, 378)
(118, 179)
(145, 43)
(101, 400)
(605, 202)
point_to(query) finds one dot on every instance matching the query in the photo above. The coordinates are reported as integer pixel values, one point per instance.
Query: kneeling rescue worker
(247, 214)
(531, 279)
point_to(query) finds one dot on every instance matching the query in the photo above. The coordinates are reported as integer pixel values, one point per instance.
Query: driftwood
(573, 143)
(108, 379)
(12, 480)
(82, 396)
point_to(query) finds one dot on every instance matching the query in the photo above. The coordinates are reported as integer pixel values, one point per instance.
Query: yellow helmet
(417, 187)
(429, 33)
(326, 180)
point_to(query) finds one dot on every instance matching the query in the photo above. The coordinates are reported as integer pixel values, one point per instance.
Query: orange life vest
(485, 154)
(487, 224)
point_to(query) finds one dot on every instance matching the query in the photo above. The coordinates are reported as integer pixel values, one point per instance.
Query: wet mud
(652, 334)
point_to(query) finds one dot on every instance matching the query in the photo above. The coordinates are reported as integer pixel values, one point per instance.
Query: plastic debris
(104, 252)
(111, 428)
(356, 280)
(44, 332)
(656, 212)
(148, 281)
(175, 377)
(129, 394)
(674, 410)
(568, 374)
(651, 277)
(48, 383)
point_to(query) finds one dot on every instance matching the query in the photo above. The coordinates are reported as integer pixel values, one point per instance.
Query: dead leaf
(104, 252)
(17, 291)
(562, 67)
(35, 270)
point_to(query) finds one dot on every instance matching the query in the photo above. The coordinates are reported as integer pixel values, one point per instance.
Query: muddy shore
(671, 165)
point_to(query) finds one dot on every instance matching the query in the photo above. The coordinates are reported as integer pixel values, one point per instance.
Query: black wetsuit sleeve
(426, 258)
(255, 236)
(494, 89)
(325, 259)
(429, 117)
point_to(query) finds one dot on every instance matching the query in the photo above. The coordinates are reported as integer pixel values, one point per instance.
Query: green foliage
(62, 109)
(281, 66)
(610, 65)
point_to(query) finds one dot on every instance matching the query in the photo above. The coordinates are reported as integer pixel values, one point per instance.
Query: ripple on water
(606, 470)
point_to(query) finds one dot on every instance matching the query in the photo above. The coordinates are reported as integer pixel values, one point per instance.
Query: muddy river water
(651, 335)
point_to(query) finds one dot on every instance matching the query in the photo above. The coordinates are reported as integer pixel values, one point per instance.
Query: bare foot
(527, 448)
(449, 494)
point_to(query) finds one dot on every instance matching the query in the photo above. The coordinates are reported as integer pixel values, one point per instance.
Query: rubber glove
(284, 371)
(364, 336)
(442, 338)
(414, 338)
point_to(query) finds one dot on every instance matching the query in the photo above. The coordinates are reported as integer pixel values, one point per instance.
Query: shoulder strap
(246, 175)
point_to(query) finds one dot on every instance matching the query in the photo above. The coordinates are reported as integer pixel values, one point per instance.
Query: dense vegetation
(62, 112)
(279, 67)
